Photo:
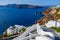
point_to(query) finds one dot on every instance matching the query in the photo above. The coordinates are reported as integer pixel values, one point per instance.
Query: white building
(11, 31)
(40, 35)
(43, 38)
(17, 28)
(52, 23)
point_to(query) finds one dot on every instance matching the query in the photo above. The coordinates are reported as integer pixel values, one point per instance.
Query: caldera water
(18, 16)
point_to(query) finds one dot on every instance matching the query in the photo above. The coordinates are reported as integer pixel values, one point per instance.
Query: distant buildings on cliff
(53, 23)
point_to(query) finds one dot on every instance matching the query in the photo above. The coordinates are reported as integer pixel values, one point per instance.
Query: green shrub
(58, 29)
(55, 28)
(22, 30)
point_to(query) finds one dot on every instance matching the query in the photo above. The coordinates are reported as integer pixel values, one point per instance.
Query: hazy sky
(33, 2)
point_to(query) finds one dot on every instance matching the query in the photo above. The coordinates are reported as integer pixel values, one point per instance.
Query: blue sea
(18, 16)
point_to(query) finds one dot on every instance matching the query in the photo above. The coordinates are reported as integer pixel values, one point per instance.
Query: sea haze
(18, 16)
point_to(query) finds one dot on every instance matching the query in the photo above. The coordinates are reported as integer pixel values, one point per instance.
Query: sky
(31, 2)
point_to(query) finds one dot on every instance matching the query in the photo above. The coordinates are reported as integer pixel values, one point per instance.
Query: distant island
(20, 6)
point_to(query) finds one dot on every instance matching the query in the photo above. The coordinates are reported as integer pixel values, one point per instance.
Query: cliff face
(20, 6)
(52, 13)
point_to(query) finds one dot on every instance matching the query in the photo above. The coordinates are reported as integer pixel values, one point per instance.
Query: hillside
(52, 13)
